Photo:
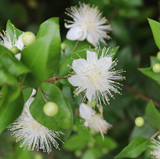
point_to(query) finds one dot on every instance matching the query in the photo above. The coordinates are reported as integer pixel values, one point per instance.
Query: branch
(141, 95)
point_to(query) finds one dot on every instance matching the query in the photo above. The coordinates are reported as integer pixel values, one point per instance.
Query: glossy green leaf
(12, 65)
(75, 142)
(12, 31)
(107, 143)
(83, 131)
(10, 90)
(42, 57)
(154, 60)
(149, 72)
(153, 116)
(155, 27)
(26, 93)
(50, 31)
(63, 120)
(92, 153)
(10, 112)
(134, 149)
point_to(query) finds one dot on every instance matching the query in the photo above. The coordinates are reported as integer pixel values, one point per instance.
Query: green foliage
(153, 115)
(134, 149)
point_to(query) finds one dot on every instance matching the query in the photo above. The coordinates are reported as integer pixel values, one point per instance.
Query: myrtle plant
(35, 70)
(141, 142)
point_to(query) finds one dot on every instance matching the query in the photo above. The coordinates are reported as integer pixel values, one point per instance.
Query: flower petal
(91, 57)
(91, 40)
(84, 35)
(79, 66)
(74, 33)
(77, 80)
(89, 93)
(86, 112)
(104, 63)
(18, 56)
(19, 43)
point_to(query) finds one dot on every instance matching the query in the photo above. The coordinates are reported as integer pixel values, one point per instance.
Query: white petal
(29, 101)
(104, 63)
(18, 56)
(79, 66)
(74, 33)
(19, 43)
(33, 92)
(91, 40)
(77, 80)
(84, 35)
(86, 112)
(89, 93)
(91, 57)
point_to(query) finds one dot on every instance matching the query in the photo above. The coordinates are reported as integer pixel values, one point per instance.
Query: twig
(43, 94)
(154, 135)
(141, 95)
(75, 45)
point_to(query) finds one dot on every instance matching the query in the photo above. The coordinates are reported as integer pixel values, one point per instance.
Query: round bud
(158, 55)
(63, 46)
(50, 109)
(156, 68)
(78, 153)
(139, 121)
(28, 38)
(14, 50)
(91, 103)
(90, 144)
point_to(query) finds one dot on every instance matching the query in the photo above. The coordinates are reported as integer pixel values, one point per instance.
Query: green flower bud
(28, 38)
(63, 46)
(139, 121)
(14, 50)
(156, 68)
(158, 55)
(50, 109)
(92, 103)
(78, 153)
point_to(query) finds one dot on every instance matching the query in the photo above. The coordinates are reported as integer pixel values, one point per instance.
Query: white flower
(33, 134)
(93, 120)
(87, 24)
(8, 43)
(96, 76)
(156, 149)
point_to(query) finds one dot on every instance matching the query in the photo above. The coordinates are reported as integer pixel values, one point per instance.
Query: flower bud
(14, 50)
(91, 103)
(78, 153)
(63, 46)
(156, 68)
(139, 121)
(158, 55)
(50, 109)
(28, 38)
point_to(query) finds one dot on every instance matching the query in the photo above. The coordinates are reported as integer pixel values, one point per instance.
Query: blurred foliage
(131, 31)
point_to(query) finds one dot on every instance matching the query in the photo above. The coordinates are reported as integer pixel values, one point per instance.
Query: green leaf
(26, 93)
(92, 153)
(83, 131)
(10, 90)
(153, 115)
(154, 60)
(63, 121)
(149, 72)
(12, 31)
(75, 142)
(12, 65)
(134, 149)
(42, 57)
(10, 112)
(50, 30)
(107, 143)
(155, 27)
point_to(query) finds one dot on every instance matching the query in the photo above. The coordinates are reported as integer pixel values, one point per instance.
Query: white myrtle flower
(6, 41)
(156, 149)
(96, 76)
(92, 120)
(32, 134)
(87, 24)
